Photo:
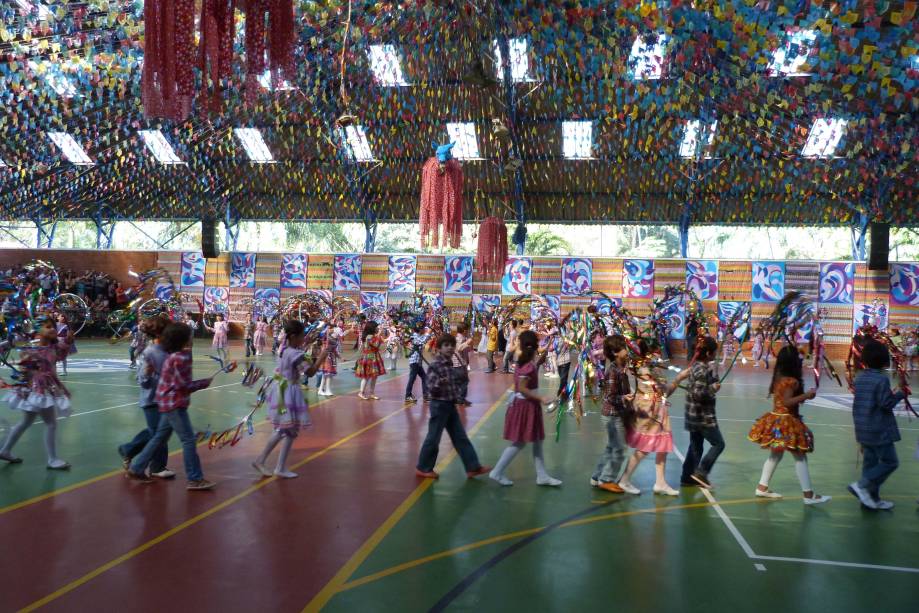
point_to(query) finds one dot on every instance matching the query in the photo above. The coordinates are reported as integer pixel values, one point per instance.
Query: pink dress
(370, 363)
(287, 408)
(260, 339)
(330, 366)
(523, 420)
(220, 335)
(651, 432)
(42, 389)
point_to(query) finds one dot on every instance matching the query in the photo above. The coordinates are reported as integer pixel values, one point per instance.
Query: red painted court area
(115, 544)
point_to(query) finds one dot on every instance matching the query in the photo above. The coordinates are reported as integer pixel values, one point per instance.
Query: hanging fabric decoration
(216, 53)
(277, 38)
(441, 199)
(492, 252)
(167, 82)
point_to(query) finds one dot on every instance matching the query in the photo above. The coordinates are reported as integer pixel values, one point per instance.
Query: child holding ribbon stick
(221, 333)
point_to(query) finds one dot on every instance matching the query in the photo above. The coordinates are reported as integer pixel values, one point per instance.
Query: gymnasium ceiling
(75, 67)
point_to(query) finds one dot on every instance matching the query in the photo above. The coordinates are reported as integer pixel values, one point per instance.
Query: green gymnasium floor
(357, 530)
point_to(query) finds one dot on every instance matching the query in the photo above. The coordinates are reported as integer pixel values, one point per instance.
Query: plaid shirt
(176, 385)
(617, 386)
(443, 381)
(418, 342)
(700, 397)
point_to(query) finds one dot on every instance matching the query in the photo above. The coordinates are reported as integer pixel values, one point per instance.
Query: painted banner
(402, 273)
(727, 309)
(637, 278)
(904, 284)
(193, 263)
(768, 283)
(553, 302)
(577, 276)
(293, 271)
(837, 283)
(702, 278)
(346, 273)
(517, 276)
(216, 300)
(605, 305)
(870, 314)
(242, 270)
(267, 301)
(486, 303)
(164, 290)
(676, 322)
(458, 274)
(373, 299)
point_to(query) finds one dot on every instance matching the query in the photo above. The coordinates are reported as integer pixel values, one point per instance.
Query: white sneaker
(817, 499)
(550, 481)
(665, 491)
(285, 474)
(261, 468)
(628, 488)
(163, 474)
(884, 505)
(594, 482)
(767, 494)
(500, 479)
(58, 465)
(864, 497)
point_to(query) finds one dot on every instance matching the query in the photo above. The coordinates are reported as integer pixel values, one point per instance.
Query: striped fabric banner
(375, 272)
(871, 285)
(668, 272)
(319, 271)
(429, 273)
(237, 294)
(546, 277)
(734, 280)
(803, 277)
(268, 270)
(607, 276)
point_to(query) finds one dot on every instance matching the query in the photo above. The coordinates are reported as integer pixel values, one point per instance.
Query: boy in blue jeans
(875, 426)
(700, 419)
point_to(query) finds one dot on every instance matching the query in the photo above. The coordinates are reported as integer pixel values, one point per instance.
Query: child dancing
(370, 364)
(221, 333)
(523, 420)
(330, 364)
(288, 410)
(41, 395)
(617, 408)
(700, 420)
(782, 429)
(875, 426)
(63, 331)
(260, 336)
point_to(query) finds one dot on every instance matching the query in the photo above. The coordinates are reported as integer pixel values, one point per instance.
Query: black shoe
(688, 483)
(702, 480)
(410, 399)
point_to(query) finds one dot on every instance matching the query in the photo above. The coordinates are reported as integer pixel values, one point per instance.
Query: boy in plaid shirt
(444, 386)
(700, 419)
(172, 396)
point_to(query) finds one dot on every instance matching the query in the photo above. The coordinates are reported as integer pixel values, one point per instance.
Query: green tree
(319, 237)
(545, 242)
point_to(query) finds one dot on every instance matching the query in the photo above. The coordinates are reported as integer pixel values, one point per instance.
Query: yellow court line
(345, 572)
(197, 518)
(510, 536)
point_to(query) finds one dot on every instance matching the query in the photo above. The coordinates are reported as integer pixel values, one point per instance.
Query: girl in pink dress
(523, 421)
(330, 365)
(63, 331)
(41, 395)
(288, 410)
(650, 432)
(221, 332)
(261, 336)
(370, 364)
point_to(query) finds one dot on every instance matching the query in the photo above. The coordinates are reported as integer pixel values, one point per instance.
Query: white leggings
(511, 452)
(49, 416)
(773, 460)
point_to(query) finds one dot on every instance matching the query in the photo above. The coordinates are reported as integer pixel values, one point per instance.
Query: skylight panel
(358, 148)
(577, 139)
(72, 151)
(54, 78)
(824, 137)
(384, 61)
(463, 134)
(520, 61)
(160, 147)
(788, 59)
(698, 139)
(647, 57)
(254, 145)
(265, 81)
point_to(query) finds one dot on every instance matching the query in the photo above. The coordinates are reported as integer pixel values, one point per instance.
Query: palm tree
(545, 242)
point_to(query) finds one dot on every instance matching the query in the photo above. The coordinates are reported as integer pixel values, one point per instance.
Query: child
(248, 338)
(287, 408)
(172, 396)
(911, 347)
(393, 347)
(760, 347)
(782, 428)
(461, 363)
(492, 345)
(330, 365)
(418, 341)
(511, 348)
(523, 420)
(260, 336)
(875, 426)
(617, 401)
(700, 420)
(650, 432)
(137, 346)
(41, 395)
(276, 331)
(221, 332)
(148, 376)
(370, 364)
(445, 392)
(63, 331)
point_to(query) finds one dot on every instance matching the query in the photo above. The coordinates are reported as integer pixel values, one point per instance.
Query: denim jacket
(872, 409)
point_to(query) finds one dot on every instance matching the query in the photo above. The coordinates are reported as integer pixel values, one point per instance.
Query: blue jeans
(692, 462)
(172, 420)
(415, 370)
(130, 450)
(444, 416)
(879, 463)
(610, 463)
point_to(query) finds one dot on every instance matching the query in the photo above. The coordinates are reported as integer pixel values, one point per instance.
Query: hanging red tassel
(216, 53)
(167, 81)
(277, 39)
(441, 203)
(492, 251)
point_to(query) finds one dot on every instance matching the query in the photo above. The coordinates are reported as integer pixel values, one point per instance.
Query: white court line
(902, 569)
(120, 406)
(727, 521)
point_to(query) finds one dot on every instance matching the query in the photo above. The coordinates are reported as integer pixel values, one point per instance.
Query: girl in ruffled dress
(63, 331)
(221, 333)
(330, 364)
(261, 336)
(650, 432)
(782, 429)
(288, 409)
(41, 395)
(370, 364)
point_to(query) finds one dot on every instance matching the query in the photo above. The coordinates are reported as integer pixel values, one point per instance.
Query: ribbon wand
(226, 367)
